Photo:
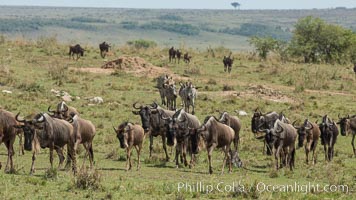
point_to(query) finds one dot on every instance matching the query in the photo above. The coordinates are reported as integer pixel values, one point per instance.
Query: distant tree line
(180, 28)
(313, 41)
(22, 25)
(88, 20)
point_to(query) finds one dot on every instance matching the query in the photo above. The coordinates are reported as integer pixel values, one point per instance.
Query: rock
(7, 91)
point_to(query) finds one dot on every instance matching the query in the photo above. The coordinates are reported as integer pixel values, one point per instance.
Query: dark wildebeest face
(28, 130)
(257, 121)
(39, 122)
(303, 131)
(122, 134)
(172, 128)
(195, 140)
(59, 114)
(344, 125)
(145, 114)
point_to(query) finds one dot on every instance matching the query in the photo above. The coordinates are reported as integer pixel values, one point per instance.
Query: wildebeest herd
(177, 125)
(178, 128)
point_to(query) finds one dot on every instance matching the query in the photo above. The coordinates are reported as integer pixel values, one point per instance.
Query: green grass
(30, 73)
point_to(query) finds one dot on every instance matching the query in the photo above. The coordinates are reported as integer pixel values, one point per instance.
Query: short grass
(31, 71)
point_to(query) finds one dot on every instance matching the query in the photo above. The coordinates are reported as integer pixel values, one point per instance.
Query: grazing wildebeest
(84, 130)
(54, 135)
(187, 58)
(348, 124)
(283, 137)
(188, 93)
(130, 135)
(172, 54)
(104, 48)
(31, 141)
(228, 61)
(234, 123)
(63, 111)
(8, 135)
(329, 133)
(309, 134)
(215, 135)
(264, 121)
(178, 129)
(163, 82)
(151, 121)
(77, 49)
(179, 55)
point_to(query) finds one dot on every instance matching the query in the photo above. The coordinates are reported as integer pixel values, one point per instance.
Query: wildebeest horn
(70, 120)
(296, 127)
(338, 115)
(114, 129)
(154, 105)
(134, 106)
(49, 110)
(280, 128)
(17, 119)
(348, 116)
(161, 116)
(310, 127)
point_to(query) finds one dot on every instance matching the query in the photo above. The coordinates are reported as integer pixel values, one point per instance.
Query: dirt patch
(261, 91)
(132, 65)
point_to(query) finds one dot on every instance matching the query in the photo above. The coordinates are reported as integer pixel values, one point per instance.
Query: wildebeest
(152, 122)
(8, 135)
(84, 131)
(171, 96)
(283, 137)
(309, 134)
(63, 111)
(54, 134)
(77, 49)
(188, 93)
(228, 61)
(130, 135)
(31, 141)
(234, 123)
(264, 121)
(179, 55)
(329, 133)
(178, 128)
(348, 124)
(104, 48)
(215, 135)
(187, 58)
(172, 54)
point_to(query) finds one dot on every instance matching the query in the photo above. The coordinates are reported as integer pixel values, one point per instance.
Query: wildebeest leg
(352, 143)
(210, 152)
(33, 163)
(277, 153)
(128, 158)
(325, 153)
(21, 148)
(72, 155)
(314, 152)
(138, 150)
(184, 152)
(307, 150)
(60, 155)
(176, 157)
(91, 155)
(51, 156)
(229, 69)
(165, 147)
(10, 153)
(151, 145)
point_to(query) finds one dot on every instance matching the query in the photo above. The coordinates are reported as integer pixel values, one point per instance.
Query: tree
(317, 41)
(236, 4)
(264, 45)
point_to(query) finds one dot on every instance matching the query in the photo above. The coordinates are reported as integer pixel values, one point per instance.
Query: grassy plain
(30, 69)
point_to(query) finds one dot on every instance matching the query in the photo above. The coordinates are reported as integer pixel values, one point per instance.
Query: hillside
(185, 28)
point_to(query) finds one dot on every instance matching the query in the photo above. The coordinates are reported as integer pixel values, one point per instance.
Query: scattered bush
(88, 179)
(139, 44)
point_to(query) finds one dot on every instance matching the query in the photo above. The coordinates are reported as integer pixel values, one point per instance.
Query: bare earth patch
(132, 65)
